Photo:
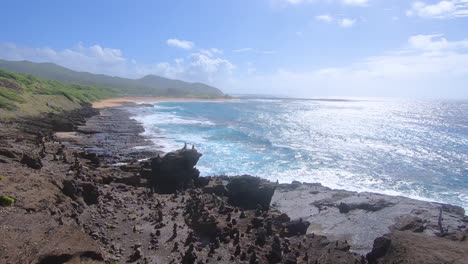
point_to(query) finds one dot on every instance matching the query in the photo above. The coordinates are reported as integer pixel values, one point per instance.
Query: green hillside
(150, 85)
(23, 94)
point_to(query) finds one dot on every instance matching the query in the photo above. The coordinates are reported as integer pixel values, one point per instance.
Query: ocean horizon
(411, 148)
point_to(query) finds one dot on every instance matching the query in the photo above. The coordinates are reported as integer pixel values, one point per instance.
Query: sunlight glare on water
(416, 149)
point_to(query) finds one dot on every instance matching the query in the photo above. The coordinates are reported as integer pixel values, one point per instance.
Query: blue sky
(309, 48)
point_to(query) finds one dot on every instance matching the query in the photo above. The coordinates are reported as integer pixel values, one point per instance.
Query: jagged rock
(7, 153)
(380, 248)
(296, 227)
(134, 167)
(86, 190)
(91, 156)
(372, 206)
(250, 192)
(175, 171)
(215, 187)
(410, 222)
(133, 180)
(454, 209)
(32, 162)
(257, 222)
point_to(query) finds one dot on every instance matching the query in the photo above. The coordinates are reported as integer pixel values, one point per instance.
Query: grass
(6, 200)
(23, 94)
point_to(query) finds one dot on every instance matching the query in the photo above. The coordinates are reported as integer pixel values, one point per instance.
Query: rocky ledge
(87, 195)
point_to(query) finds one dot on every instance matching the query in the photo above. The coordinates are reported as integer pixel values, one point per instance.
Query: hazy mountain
(150, 85)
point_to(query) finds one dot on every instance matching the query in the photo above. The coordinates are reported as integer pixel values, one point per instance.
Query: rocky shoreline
(86, 192)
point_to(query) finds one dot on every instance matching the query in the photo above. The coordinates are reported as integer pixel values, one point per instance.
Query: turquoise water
(417, 149)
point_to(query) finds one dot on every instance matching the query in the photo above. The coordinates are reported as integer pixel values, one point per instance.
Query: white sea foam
(356, 146)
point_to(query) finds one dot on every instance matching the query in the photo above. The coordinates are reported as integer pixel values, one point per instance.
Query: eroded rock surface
(360, 218)
(175, 171)
(90, 203)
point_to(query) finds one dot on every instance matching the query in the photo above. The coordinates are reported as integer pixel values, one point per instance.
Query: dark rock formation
(76, 189)
(175, 171)
(250, 192)
(32, 162)
(215, 187)
(410, 222)
(296, 227)
(380, 248)
(372, 206)
(7, 153)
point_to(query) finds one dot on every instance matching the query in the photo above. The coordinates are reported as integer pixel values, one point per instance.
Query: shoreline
(121, 101)
(390, 193)
(397, 206)
(89, 204)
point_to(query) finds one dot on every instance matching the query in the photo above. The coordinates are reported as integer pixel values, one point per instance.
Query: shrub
(6, 200)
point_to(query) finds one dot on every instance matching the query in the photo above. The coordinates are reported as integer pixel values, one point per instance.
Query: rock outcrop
(76, 189)
(31, 161)
(175, 170)
(250, 192)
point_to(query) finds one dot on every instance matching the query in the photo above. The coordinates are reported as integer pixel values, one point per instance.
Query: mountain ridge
(148, 85)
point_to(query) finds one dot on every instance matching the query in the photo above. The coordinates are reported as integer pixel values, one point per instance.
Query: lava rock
(250, 192)
(175, 171)
(215, 187)
(379, 249)
(410, 222)
(86, 190)
(296, 227)
(371, 206)
(7, 153)
(31, 162)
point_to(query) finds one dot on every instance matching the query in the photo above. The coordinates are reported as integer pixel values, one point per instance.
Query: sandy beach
(115, 102)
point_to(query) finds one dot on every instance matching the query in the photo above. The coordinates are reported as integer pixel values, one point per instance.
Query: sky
(300, 48)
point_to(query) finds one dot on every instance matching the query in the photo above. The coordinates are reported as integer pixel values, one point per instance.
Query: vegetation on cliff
(149, 85)
(23, 94)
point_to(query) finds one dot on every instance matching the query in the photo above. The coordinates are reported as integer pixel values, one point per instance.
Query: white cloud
(436, 43)
(324, 18)
(429, 65)
(268, 52)
(442, 9)
(94, 58)
(342, 22)
(211, 52)
(243, 50)
(203, 66)
(183, 44)
(355, 2)
(254, 50)
(347, 22)
(344, 2)
(200, 62)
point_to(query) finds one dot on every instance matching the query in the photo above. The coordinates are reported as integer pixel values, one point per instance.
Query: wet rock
(175, 171)
(250, 192)
(31, 162)
(379, 249)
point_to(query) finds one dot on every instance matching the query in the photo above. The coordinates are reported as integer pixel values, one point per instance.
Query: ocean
(417, 149)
